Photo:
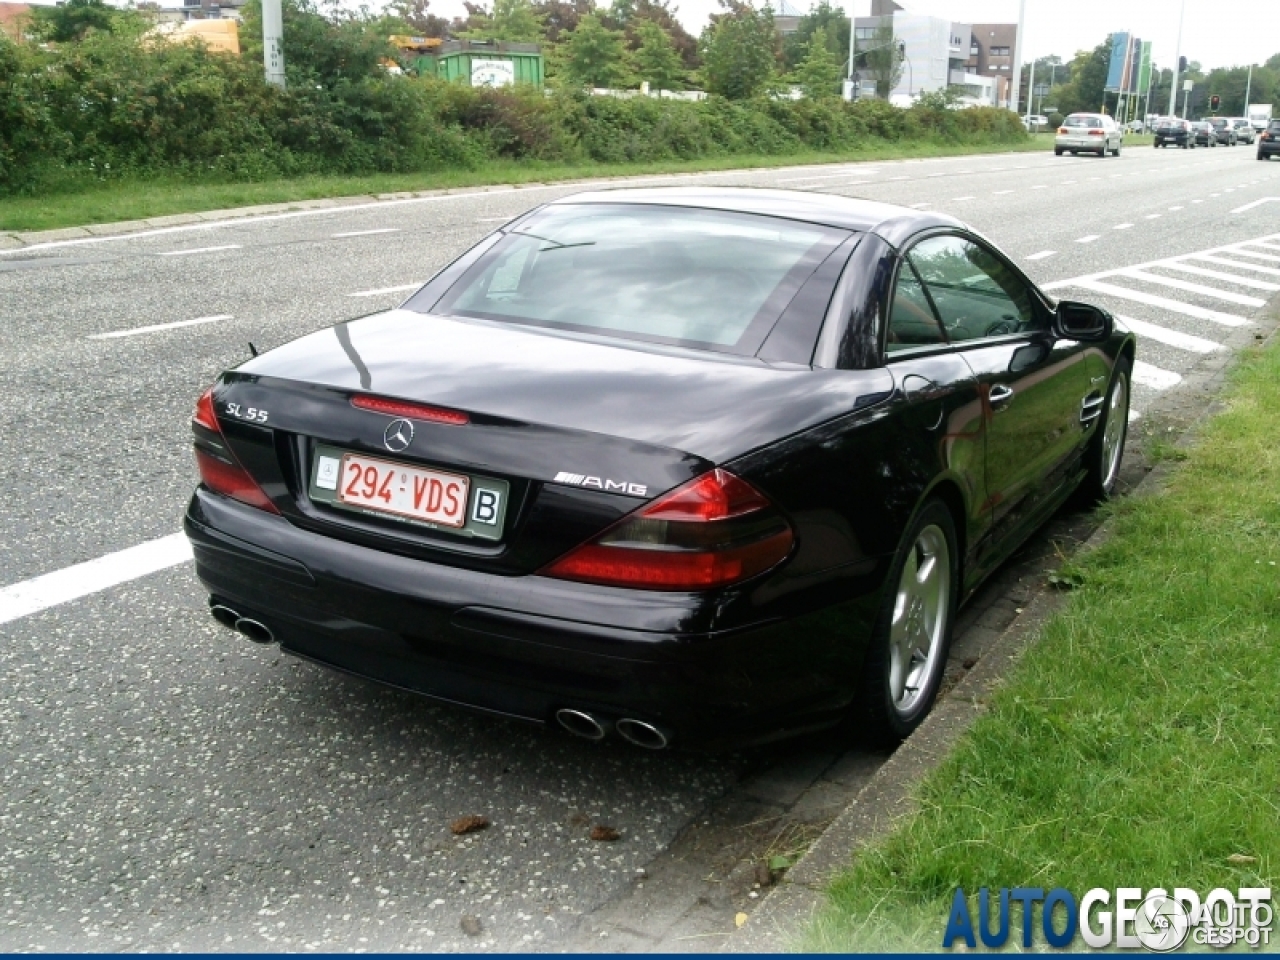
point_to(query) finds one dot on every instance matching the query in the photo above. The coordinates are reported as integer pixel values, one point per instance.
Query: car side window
(975, 293)
(912, 322)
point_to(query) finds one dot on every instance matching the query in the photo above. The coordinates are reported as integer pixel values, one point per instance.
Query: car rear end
(1081, 132)
(1171, 130)
(473, 501)
(1269, 141)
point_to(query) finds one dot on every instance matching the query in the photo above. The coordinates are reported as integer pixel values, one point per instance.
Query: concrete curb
(889, 796)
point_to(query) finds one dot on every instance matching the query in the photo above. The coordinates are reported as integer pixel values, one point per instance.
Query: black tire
(1057, 151)
(1115, 152)
(1101, 471)
(881, 718)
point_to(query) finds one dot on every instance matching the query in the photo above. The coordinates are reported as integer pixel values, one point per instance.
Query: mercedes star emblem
(398, 435)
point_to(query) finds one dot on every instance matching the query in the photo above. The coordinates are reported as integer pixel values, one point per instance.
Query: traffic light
(1214, 101)
(1182, 64)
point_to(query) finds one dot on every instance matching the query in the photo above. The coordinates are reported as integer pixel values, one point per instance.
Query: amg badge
(601, 483)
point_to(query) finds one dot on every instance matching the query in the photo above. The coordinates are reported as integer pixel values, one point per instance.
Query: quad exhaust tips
(253, 629)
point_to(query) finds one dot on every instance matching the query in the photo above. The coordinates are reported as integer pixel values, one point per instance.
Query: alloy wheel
(917, 632)
(1114, 430)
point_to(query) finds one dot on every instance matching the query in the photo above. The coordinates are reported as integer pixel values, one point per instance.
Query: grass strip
(1136, 742)
(111, 201)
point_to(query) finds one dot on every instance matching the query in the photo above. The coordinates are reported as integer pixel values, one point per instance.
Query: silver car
(1244, 130)
(1089, 133)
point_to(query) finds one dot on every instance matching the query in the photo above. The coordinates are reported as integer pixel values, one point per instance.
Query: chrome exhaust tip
(580, 724)
(224, 615)
(642, 734)
(255, 631)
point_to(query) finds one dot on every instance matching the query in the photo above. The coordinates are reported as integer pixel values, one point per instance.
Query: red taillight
(1063, 130)
(414, 411)
(713, 531)
(1096, 133)
(219, 470)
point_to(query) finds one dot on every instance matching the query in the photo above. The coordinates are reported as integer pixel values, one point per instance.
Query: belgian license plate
(402, 490)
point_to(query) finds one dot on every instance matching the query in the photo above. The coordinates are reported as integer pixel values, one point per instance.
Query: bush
(116, 104)
(1055, 120)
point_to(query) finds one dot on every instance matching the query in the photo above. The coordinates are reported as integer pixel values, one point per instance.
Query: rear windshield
(1218, 123)
(1082, 122)
(700, 278)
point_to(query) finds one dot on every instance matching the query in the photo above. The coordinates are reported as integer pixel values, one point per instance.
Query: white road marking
(1146, 375)
(403, 288)
(70, 583)
(917, 206)
(899, 178)
(1001, 193)
(1065, 182)
(1213, 293)
(1040, 256)
(1264, 245)
(1040, 186)
(134, 331)
(1255, 267)
(365, 233)
(1122, 226)
(1252, 253)
(1175, 209)
(493, 219)
(187, 253)
(1134, 415)
(958, 199)
(1089, 239)
(1197, 201)
(1153, 216)
(1219, 275)
(1173, 306)
(1173, 338)
(827, 176)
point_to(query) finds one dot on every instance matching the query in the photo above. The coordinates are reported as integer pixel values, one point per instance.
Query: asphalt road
(164, 784)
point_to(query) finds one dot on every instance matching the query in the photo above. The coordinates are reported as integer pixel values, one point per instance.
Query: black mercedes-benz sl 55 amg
(695, 465)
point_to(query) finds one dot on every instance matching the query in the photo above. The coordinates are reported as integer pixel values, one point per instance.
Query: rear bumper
(1268, 148)
(527, 646)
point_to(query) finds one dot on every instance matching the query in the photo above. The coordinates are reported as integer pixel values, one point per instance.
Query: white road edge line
(403, 288)
(187, 253)
(134, 331)
(71, 583)
(364, 233)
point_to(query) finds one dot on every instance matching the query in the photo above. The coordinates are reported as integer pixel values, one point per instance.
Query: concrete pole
(1177, 56)
(273, 41)
(1031, 91)
(1248, 89)
(1015, 87)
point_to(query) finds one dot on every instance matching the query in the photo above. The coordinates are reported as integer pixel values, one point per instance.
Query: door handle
(1000, 397)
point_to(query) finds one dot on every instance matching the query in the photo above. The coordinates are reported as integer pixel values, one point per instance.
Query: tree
(882, 59)
(418, 18)
(739, 51)
(656, 60)
(561, 17)
(513, 20)
(795, 46)
(1086, 91)
(594, 55)
(657, 11)
(72, 20)
(819, 72)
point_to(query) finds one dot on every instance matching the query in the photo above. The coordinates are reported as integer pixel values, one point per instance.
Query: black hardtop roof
(889, 221)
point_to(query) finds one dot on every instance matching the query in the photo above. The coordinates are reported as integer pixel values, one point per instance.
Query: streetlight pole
(273, 41)
(1177, 58)
(1016, 86)
(1248, 89)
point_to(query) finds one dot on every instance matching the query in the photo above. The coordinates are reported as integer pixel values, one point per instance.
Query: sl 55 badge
(602, 483)
(246, 413)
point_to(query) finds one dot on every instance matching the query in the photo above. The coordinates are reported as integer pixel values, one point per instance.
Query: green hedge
(112, 106)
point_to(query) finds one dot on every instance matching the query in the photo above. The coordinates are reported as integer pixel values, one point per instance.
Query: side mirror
(1082, 321)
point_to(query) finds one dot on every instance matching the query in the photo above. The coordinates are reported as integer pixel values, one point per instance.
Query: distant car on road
(1244, 130)
(1135, 126)
(1088, 133)
(1269, 141)
(667, 463)
(1203, 133)
(1035, 123)
(1224, 131)
(1173, 130)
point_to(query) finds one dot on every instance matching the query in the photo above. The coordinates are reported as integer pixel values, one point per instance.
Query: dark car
(1224, 131)
(706, 464)
(1171, 130)
(1269, 141)
(1203, 134)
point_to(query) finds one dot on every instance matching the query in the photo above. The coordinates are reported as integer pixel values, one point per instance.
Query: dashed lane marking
(365, 233)
(82, 579)
(155, 327)
(1089, 239)
(403, 288)
(187, 253)
(1041, 255)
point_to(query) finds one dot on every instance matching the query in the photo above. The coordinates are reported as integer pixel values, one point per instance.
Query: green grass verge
(139, 199)
(1136, 743)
